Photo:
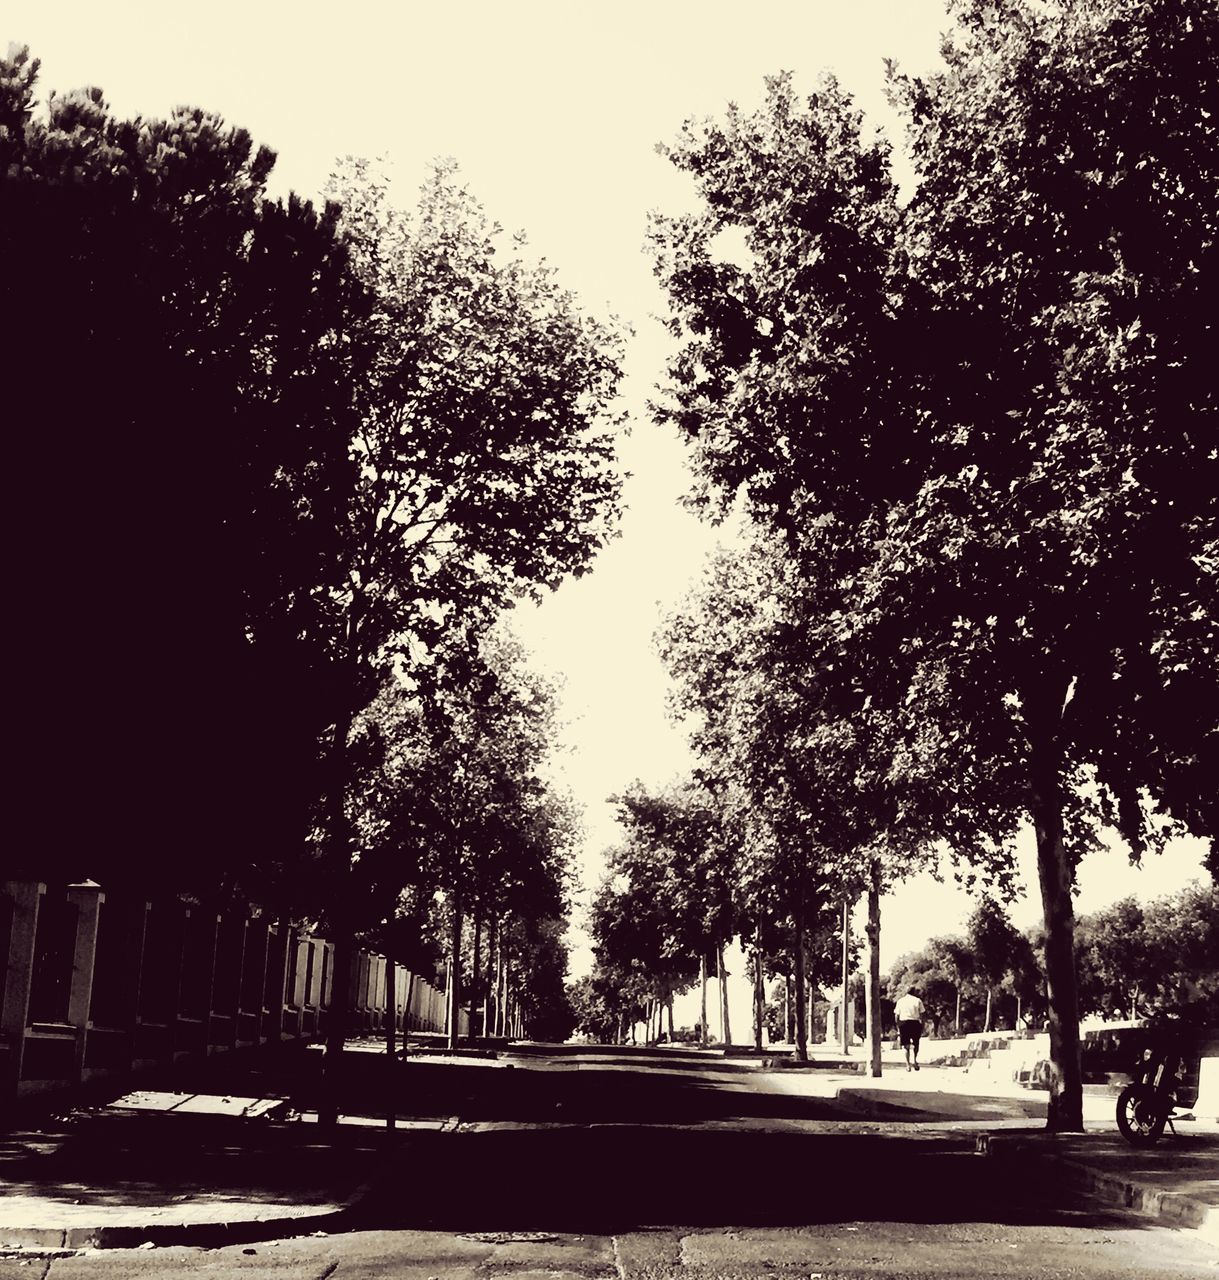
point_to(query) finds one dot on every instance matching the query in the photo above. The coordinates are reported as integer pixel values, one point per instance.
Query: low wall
(97, 987)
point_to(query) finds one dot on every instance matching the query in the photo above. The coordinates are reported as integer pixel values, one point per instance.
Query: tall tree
(803, 762)
(983, 420)
(484, 451)
(179, 399)
(676, 855)
(451, 799)
(996, 948)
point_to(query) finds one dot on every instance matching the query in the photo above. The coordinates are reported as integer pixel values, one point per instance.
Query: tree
(181, 402)
(974, 418)
(1161, 956)
(996, 947)
(1114, 959)
(596, 1000)
(677, 858)
(637, 933)
(942, 973)
(546, 1007)
(451, 800)
(802, 763)
(484, 454)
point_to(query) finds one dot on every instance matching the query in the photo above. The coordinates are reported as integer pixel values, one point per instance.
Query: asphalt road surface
(734, 1205)
(646, 1173)
(1086, 1249)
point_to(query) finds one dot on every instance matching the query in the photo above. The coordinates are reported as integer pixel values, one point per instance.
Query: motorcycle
(1157, 1094)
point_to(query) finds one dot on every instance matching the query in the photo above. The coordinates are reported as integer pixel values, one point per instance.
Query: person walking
(909, 1011)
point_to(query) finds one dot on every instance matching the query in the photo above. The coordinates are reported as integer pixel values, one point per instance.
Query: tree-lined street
(302, 833)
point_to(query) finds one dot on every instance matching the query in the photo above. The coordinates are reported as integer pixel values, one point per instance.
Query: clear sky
(553, 110)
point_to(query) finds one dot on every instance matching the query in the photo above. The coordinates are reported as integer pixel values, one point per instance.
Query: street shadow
(618, 1178)
(595, 1092)
(154, 1159)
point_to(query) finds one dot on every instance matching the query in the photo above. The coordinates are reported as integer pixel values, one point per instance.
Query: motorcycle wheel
(1140, 1115)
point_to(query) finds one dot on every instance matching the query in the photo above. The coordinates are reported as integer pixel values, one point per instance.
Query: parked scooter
(1156, 1095)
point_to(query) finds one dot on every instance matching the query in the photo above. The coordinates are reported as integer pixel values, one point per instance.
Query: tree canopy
(981, 421)
(179, 428)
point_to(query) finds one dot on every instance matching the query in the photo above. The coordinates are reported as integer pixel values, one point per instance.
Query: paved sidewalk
(176, 1169)
(1176, 1181)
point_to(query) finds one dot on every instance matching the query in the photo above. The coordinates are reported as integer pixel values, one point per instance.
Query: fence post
(22, 900)
(275, 983)
(87, 897)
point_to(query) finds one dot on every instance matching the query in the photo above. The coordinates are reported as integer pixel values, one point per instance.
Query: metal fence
(96, 987)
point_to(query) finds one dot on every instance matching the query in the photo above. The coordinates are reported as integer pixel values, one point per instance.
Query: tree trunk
(702, 1017)
(789, 1032)
(406, 1013)
(454, 1018)
(342, 928)
(488, 1028)
(723, 976)
(391, 1047)
(799, 980)
(986, 1022)
(669, 1010)
(1057, 874)
(759, 995)
(497, 1013)
(474, 959)
(957, 1028)
(845, 1027)
(873, 997)
(507, 996)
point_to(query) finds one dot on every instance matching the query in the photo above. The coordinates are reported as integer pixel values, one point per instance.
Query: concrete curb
(206, 1235)
(1171, 1207)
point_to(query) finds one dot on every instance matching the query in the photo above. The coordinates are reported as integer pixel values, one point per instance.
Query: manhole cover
(509, 1237)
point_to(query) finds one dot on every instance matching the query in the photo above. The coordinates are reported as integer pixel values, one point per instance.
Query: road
(525, 1204)
(1085, 1247)
(646, 1172)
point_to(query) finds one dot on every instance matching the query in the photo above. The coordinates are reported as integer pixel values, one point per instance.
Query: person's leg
(915, 1034)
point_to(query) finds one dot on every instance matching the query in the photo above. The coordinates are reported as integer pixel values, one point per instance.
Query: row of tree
(277, 470)
(1133, 960)
(973, 429)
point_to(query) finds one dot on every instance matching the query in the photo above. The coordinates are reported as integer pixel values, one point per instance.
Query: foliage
(675, 855)
(1158, 957)
(983, 422)
(939, 972)
(181, 417)
(450, 794)
(1114, 959)
(485, 449)
(549, 1013)
(597, 1006)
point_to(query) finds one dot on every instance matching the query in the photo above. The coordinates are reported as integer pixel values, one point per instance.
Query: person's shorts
(910, 1033)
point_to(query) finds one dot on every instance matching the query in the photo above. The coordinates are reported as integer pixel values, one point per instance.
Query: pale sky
(553, 111)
